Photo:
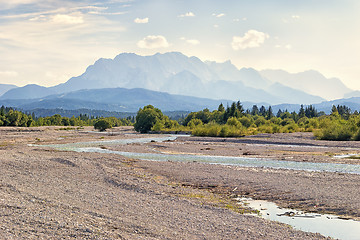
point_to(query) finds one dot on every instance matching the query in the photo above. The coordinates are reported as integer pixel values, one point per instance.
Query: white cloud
(63, 10)
(93, 8)
(238, 19)
(38, 18)
(188, 14)
(106, 13)
(8, 74)
(295, 16)
(251, 39)
(219, 15)
(141, 20)
(67, 19)
(216, 26)
(191, 41)
(152, 42)
(287, 46)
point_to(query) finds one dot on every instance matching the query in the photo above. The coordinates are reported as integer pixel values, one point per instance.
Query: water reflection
(325, 224)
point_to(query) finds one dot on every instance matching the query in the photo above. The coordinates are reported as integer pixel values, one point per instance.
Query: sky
(46, 42)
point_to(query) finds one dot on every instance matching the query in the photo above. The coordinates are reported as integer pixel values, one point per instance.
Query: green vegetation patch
(235, 121)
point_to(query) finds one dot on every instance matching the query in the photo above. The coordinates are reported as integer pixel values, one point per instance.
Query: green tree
(204, 115)
(233, 110)
(221, 108)
(189, 117)
(269, 113)
(102, 125)
(23, 120)
(65, 121)
(311, 112)
(12, 118)
(240, 108)
(334, 110)
(56, 120)
(255, 110)
(301, 111)
(262, 111)
(2, 110)
(146, 118)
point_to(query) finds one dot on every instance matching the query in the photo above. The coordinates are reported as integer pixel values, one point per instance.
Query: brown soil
(49, 194)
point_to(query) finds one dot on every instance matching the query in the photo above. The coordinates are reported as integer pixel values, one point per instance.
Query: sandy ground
(50, 194)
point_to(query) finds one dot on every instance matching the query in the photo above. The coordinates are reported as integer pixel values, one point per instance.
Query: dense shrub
(338, 130)
(246, 121)
(260, 121)
(194, 123)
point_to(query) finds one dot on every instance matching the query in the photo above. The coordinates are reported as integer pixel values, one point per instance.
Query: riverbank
(46, 193)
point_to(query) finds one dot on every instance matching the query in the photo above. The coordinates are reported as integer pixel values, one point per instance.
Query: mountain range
(176, 73)
(173, 81)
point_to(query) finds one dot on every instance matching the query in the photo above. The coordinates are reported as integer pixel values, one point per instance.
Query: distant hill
(352, 94)
(311, 82)
(353, 103)
(116, 99)
(6, 87)
(31, 91)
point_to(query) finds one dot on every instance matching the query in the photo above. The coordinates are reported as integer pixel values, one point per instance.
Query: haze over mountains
(113, 84)
(310, 81)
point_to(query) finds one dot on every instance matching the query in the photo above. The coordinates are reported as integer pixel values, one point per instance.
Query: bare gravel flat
(50, 194)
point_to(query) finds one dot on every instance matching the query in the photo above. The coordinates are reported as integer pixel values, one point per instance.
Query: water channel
(225, 160)
(328, 225)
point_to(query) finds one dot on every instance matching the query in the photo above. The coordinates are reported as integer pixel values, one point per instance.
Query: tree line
(11, 117)
(235, 121)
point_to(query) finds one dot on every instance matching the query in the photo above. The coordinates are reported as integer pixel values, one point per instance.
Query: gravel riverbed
(51, 194)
